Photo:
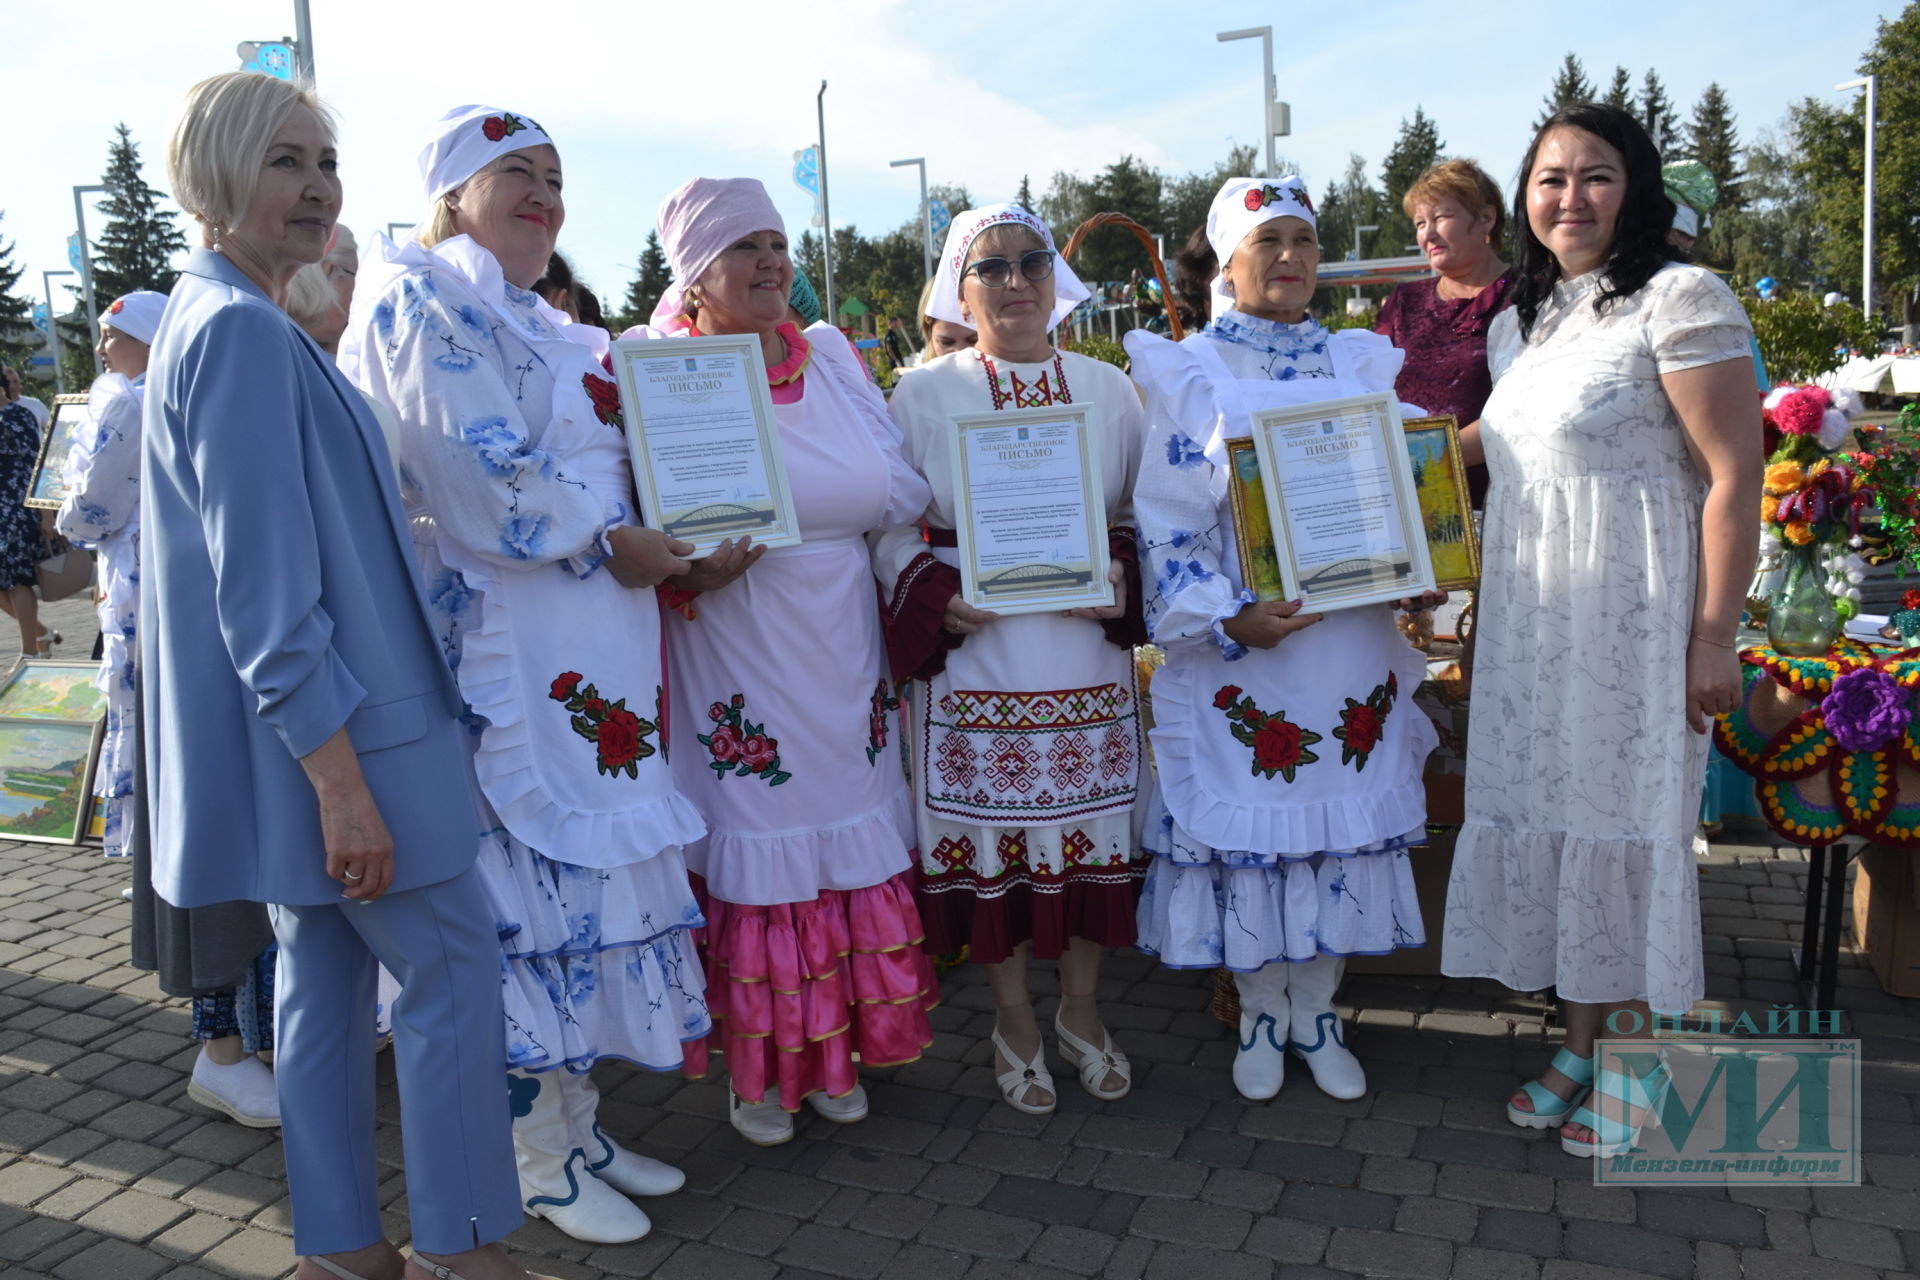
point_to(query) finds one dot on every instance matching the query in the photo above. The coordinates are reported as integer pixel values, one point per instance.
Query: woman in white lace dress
(1623, 443)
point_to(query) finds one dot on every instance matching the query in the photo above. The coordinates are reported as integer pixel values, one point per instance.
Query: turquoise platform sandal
(1612, 1135)
(1549, 1108)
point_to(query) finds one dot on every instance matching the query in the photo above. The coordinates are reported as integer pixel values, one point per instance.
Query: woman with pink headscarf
(784, 725)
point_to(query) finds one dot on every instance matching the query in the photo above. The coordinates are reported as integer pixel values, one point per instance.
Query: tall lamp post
(53, 329)
(86, 266)
(1353, 254)
(1866, 253)
(826, 213)
(926, 212)
(303, 37)
(1276, 117)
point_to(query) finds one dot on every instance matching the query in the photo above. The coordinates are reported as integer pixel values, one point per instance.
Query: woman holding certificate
(515, 474)
(1289, 752)
(785, 720)
(1025, 849)
(1623, 439)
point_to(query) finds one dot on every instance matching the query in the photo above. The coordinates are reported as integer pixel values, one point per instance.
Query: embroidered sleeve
(102, 474)
(464, 442)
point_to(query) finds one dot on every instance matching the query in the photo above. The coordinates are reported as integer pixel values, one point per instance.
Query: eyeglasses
(1035, 264)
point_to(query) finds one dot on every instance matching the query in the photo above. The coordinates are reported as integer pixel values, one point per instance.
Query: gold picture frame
(48, 488)
(1252, 524)
(46, 778)
(1446, 504)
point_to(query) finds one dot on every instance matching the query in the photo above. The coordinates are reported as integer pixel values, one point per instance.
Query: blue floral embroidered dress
(514, 470)
(21, 546)
(102, 512)
(1289, 779)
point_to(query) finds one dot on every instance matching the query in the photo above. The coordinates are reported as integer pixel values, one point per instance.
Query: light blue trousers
(449, 1048)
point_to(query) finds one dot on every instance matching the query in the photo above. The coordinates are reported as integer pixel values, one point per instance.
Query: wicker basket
(1226, 998)
(1145, 237)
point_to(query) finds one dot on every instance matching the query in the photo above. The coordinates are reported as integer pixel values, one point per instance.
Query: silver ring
(349, 875)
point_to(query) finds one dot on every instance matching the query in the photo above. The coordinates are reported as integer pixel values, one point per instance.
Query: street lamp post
(926, 212)
(86, 266)
(826, 215)
(1275, 116)
(53, 329)
(1353, 254)
(303, 36)
(1870, 84)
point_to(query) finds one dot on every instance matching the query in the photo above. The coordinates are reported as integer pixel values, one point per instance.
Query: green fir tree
(135, 249)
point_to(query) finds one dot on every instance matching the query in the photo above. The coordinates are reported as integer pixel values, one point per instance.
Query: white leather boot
(557, 1181)
(625, 1171)
(1316, 1031)
(1260, 1068)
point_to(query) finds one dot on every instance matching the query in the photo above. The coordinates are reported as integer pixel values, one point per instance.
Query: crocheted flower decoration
(1866, 709)
(1802, 412)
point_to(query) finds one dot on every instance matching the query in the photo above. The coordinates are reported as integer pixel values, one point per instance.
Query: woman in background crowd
(318, 295)
(1623, 441)
(1002, 873)
(941, 337)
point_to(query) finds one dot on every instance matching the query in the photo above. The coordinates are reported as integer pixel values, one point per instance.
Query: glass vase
(1801, 620)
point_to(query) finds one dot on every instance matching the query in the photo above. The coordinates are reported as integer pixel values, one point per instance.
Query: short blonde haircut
(310, 293)
(1467, 185)
(221, 133)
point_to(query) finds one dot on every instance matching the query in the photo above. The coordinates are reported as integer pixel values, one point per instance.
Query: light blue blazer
(279, 601)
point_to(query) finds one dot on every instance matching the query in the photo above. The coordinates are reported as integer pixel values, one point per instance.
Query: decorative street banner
(806, 176)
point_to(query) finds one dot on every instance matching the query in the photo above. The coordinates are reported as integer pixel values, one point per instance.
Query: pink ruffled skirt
(799, 989)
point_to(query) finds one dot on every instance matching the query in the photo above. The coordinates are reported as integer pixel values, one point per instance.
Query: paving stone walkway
(108, 1172)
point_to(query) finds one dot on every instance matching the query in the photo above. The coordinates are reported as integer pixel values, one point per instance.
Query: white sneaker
(844, 1110)
(763, 1123)
(245, 1091)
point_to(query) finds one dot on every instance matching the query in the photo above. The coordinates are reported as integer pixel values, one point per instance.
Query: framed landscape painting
(45, 767)
(49, 487)
(1440, 477)
(51, 689)
(1252, 523)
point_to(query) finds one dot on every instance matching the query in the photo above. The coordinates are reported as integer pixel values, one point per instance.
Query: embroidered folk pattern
(1279, 745)
(955, 864)
(1363, 724)
(882, 705)
(1026, 395)
(1045, 757)
(739, 747)
(619, 736)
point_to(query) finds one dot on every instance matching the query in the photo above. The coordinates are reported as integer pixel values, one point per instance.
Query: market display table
(1833, 746)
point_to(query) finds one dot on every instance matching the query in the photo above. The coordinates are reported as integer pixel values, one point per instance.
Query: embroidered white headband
(468, 139)
(1245, 203)
(136, 314)
(1068, 292)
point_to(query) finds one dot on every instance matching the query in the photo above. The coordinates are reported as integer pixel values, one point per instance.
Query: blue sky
(643, 96)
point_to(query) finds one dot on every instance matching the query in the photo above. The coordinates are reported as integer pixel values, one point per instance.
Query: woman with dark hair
(1194, 268)
(1623, 442)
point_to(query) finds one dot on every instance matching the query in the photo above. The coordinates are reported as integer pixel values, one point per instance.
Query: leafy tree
(1350, 203)
(1657, 113)
(644, 293)
(1800, 339)
(1773, 233)
(1620, 92)
(1715, 143)
(1570, 85)
(1184, 200)
(18, 338)
(808, 258)
(1127, 186)
(1417, 147)
(135, 249)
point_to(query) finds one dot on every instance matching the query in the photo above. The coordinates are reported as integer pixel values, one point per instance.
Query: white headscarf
(1243, 204)
(468, 139)
(1068, 292)
(136, 314)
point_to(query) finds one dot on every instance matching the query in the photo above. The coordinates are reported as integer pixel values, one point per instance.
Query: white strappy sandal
(1094, 1064)
(1017, 1083)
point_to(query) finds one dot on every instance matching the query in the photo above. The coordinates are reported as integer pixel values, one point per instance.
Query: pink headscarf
(701, 221)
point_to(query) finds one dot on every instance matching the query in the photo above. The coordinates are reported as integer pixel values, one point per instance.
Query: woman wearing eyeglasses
(1026, 730)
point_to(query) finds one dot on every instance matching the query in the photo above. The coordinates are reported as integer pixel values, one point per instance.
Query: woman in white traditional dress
(515, 474)
(1288, 749)
(1026, 730)
(1622, 439)
(783, 714)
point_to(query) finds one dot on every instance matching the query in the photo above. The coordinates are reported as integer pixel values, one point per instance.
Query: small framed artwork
(96, 830)
(49, 486)
(1440, 477)
(52, 689)
(1252, 525)
(45, 770)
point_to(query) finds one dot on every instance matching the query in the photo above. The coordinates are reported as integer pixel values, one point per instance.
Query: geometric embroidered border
(1006, 758)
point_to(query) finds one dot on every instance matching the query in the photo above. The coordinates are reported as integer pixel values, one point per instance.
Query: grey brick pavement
(107, 1172)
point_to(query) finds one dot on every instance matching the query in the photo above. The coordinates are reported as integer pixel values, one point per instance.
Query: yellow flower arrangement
(1769, 509)
(1783, 478)
(1799, 532)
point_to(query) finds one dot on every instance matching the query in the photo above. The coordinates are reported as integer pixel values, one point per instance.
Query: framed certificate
(1446, 504)
(48, 488)
(706, 453)
(1029, 512)
(1347, 526)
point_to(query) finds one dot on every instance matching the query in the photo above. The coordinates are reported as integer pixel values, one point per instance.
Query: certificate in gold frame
(1294, 444)
(1446, 504)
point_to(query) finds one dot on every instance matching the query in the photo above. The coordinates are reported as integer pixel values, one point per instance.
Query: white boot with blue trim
(1315, 1027)
(1260, 1067)
(627, 1172)
(557, 1181)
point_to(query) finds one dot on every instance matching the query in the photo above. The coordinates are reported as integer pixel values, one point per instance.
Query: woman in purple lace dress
(1441, 322)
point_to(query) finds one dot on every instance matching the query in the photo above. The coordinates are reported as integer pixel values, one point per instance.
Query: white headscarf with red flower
(1243, 204)
(1068, 292)
(136, 314)
(468, 139)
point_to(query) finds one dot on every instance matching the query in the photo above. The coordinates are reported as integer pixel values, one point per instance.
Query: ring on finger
(351, 876)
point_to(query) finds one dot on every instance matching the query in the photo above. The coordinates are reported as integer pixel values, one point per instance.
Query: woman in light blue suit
(300, 726)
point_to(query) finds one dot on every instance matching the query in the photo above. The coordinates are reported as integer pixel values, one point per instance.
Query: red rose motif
(564, 686)
(758, 751)
(595, 706)
(619, 738)
(1255, 199)
(1276, 746)
(717, 712)
(605, 395)
(1393, 685)
(739, 699)
(119, 305)
(1363, 728)
(725, 744)
(1910, 600)
(494, 128)
(1225, 698)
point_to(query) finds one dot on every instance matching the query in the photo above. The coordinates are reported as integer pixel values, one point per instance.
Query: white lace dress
(1575, 866)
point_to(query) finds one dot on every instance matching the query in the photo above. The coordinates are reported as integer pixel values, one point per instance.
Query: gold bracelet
(1715, 643)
